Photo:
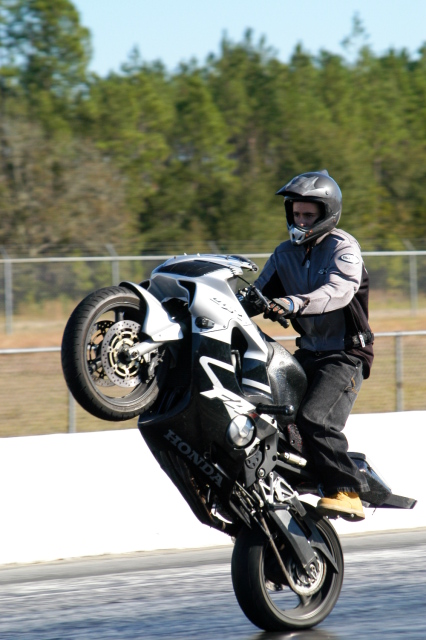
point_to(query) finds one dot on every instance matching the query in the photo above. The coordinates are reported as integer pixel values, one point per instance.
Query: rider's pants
(334, 380)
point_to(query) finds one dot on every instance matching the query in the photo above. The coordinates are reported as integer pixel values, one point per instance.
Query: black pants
(334, 380)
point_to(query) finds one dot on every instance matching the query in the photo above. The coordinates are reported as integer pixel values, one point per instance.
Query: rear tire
(266, 597)
(101, 380)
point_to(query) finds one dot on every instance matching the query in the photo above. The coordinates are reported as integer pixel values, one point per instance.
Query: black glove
(250, 301)
(279, 308)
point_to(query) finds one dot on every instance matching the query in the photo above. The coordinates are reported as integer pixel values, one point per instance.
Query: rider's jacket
(328, 284)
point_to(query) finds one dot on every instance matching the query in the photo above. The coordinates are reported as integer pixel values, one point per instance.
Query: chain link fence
(397, 278)
(35, 399)
(33, 392)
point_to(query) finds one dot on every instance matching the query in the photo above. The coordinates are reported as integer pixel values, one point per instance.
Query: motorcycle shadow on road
(307, 634)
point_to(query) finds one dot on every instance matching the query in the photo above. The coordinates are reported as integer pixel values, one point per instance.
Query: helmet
(315, 186)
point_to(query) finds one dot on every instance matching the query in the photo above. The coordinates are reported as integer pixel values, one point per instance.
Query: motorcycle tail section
(379, 494)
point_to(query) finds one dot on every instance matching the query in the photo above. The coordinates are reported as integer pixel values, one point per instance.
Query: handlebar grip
(284, 322)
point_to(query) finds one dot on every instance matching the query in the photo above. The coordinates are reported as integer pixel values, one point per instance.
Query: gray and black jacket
(328, 284)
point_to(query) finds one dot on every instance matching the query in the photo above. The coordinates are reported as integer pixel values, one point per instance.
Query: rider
(318, 280)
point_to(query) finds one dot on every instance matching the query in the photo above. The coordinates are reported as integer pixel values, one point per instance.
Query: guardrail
(35, 399)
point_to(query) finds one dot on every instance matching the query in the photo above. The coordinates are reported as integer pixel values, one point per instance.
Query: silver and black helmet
(318, 187)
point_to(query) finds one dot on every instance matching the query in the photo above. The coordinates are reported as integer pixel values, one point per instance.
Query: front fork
(274, 506)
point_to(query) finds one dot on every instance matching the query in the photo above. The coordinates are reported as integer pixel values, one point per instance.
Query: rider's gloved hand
(279, 308)
(251, 303)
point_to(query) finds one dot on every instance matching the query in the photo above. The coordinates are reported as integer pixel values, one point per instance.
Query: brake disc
(120, 368)
(93, 350)
(300, 582)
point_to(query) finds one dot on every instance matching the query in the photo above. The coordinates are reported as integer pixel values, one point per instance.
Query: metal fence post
(399, 374)
(115, 265)
(413, 283)
(8, 291)
(414, 293)
(71, 414)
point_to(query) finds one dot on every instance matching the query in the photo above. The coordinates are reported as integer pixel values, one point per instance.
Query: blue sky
(176, 31)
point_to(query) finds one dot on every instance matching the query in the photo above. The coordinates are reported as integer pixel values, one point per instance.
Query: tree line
(153, 161)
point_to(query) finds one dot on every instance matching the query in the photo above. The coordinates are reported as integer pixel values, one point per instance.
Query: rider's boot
(345, 504)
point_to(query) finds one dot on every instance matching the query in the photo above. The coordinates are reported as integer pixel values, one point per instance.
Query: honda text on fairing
(217, 402)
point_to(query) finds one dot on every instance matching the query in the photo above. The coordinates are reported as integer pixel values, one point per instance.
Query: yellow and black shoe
(345, 504)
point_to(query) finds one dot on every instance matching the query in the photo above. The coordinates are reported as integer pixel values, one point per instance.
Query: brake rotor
(93, 349)
(120, 368)
(300, 582)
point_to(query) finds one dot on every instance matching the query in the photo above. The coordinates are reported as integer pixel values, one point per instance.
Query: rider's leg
(334, 380)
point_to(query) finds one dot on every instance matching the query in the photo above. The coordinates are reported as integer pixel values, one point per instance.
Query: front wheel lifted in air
(112, 369)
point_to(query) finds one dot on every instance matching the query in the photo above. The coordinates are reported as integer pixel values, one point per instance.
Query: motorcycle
(216, 400)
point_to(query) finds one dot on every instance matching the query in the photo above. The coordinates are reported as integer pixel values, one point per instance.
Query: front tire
(100, 376)
(271, 602)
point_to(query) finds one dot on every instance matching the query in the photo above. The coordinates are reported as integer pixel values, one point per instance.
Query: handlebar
(284, 322)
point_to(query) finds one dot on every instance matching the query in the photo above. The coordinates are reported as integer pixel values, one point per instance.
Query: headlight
(241, 431)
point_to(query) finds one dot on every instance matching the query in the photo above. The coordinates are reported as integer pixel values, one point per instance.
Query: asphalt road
(189, 595)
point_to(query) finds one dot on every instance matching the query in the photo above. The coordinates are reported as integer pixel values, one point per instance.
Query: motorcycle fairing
(190, 264)
(230, 360)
